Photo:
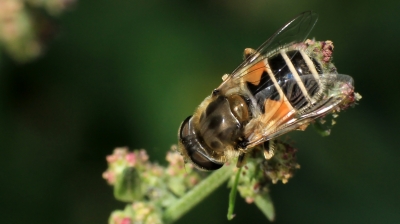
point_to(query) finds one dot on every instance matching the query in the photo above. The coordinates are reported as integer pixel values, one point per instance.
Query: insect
(284, 85)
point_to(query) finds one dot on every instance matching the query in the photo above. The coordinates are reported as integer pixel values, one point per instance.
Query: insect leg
(241, 159)
(269, 149)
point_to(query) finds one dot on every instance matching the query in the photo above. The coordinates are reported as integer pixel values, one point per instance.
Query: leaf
(265, 204)
(128, 186)
(321, 129)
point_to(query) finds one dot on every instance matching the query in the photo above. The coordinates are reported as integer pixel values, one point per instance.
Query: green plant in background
(25, 26)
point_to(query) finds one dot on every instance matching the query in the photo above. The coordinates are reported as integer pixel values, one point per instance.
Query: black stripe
(294, 94)
(266, 89)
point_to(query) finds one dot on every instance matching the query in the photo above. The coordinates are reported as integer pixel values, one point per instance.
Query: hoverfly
(284, 85)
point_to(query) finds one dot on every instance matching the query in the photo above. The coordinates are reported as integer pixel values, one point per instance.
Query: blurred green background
(126, 73)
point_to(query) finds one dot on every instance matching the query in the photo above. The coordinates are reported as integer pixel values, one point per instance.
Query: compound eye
(202, 162)
(184, 129)
(239, 108)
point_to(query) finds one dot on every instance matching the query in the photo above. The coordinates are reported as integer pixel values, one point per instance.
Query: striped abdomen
(290, 76)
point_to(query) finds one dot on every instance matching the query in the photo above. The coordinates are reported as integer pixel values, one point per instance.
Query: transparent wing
(296, 30)
(337, 93)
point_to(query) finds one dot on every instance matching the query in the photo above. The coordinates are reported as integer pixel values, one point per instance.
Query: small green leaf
(265, 204)
(128, 185)
(321, 129)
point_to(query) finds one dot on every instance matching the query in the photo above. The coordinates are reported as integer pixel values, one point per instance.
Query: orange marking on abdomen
(254, 73)
(276, 111)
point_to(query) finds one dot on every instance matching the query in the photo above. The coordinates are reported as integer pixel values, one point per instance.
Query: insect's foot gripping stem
(242, 147)
(241, 160)
(269, 149)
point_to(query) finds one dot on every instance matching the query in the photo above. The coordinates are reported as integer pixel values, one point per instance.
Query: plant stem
(232, 196)
(197, 194)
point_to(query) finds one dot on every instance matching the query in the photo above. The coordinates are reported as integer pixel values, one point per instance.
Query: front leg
(269, 149)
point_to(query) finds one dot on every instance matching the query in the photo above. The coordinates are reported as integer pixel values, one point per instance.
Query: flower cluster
(24, 28)
(137, 212)
(149, 187)
(322, 52)
(282, 166)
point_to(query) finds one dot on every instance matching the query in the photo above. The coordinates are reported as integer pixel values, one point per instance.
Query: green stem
(197, 194)
(232, 196)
